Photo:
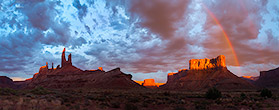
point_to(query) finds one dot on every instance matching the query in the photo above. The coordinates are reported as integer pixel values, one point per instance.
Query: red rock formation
(250, 78)
(100, 68)
(269, 79)
(6, 82)
(204, 74)
(64, 62)
(139, 82)
(70, 59)
(149, 82)
(199, 64)
(63, 58)
(175, 76)
(69, 76)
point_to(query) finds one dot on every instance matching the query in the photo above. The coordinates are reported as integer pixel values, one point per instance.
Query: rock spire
(64, 62)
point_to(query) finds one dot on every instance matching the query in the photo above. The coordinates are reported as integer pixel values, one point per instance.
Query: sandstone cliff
(199, 64)
(149, 83)
(204, 74)
(269, 79)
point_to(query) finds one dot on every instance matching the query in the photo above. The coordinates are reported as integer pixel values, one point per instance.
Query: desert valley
(139, 55)
(68, 87)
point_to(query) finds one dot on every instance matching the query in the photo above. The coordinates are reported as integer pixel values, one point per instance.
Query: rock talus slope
(204, 74)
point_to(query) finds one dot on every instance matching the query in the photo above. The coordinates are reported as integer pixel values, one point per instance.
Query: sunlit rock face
(69, 76)
(269, 79)
(149, 82)
(101, 68)
(199, 64)
(204, 74)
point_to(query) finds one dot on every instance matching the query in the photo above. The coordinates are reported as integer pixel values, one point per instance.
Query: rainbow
(223, 32)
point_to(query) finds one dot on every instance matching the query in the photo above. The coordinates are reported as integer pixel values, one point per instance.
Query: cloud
(159, 15)
(240, 30)
(82, 9)
(146, 38)
(26, 30)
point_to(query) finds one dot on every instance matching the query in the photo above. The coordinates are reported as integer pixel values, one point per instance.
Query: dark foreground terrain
(142, 99)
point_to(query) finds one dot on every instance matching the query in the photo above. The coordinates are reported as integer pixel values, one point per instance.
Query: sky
(145, 38)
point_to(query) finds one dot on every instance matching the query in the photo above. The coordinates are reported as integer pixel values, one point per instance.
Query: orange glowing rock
(28, 79)
(182, 70)
(250, 78)
(150, 83)
(199, 64)
(247, 77)
(139, 82)
(101, 68)
(64, 50)
(44, 69)
(204, 74)
(170, 74)
(159, 84)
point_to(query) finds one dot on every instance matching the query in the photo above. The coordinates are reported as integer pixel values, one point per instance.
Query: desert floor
(142, 99)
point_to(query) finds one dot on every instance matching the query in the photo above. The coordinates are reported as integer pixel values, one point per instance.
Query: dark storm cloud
(36, 24)
(16, 53)
(160, 16)
(40, 14)
(82, 9)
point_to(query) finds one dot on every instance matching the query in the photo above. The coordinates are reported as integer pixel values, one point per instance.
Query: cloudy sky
(145, 38)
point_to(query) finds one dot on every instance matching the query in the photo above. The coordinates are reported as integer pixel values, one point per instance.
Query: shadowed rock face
(6, 82)
(64, 62)
(199, 64)
(69, 76)
(269, 79)
(250, 79)
(204, 74)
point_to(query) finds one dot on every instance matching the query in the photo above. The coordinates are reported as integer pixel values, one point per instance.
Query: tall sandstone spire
(70, 59)
(64, 62)
(63, 58)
